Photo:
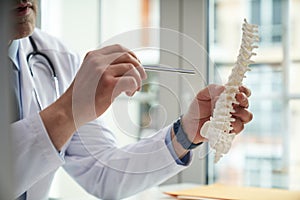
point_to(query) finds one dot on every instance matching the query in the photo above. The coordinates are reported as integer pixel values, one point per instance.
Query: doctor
(68, 131)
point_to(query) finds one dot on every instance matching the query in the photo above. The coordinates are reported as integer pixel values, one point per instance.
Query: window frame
(178, 15)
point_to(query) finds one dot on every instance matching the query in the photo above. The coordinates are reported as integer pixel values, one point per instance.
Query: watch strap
(182, 137)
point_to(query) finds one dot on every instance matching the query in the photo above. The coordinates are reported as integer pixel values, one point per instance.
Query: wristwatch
(182, 137)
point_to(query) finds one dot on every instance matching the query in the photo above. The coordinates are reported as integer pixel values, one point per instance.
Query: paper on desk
(225, 192)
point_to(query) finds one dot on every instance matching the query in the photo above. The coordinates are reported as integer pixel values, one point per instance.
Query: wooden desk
(156, 193)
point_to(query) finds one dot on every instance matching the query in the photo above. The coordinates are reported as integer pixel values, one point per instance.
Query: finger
(245, 90)
(242, 99)
(142, 71)
(128, 58)
(126, 84)
(116, 48)
(237, 126)
(125, 69)
(210, 92)
(124, 57)
(243, 114)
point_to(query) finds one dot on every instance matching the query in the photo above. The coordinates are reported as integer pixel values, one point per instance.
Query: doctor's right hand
(104, 74)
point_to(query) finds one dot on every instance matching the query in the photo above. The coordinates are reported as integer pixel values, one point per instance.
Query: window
(268, 14)
(264, 154)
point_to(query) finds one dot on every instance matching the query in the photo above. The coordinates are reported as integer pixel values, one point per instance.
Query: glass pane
(277, 20)
(263, 155)
(294, 78)
(255, 11)
(294, 72)
(277, 8)
(267, 106)
(119, 17)
(294, 166)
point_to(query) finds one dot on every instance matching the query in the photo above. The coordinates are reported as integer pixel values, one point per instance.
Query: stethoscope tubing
(37, 52)
(52, 69)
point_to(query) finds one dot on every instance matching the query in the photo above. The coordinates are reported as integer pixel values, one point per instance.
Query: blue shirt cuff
(184, 160)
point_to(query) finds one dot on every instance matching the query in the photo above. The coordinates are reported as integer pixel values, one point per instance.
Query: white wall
(77, 23)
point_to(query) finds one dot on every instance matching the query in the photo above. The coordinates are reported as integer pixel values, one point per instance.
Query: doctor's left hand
(201, 109)
(103, 75)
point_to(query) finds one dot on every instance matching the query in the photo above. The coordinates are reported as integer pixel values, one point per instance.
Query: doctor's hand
(103, 75)
(201, 109)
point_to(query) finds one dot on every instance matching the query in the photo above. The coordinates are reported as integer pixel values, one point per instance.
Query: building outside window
(268, 15)
(264, 154)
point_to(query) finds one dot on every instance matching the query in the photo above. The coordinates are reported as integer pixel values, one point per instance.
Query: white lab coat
(91, 157)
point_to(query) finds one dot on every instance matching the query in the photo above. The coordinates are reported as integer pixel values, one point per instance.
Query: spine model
(218, 130)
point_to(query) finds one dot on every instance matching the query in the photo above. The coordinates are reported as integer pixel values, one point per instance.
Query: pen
(167, 69)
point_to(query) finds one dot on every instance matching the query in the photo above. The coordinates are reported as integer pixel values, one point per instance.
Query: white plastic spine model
(218, 130)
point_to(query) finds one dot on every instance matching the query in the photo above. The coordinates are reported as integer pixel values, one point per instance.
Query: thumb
(210, 92)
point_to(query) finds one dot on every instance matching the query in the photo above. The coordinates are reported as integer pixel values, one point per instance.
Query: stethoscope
(50, 66)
